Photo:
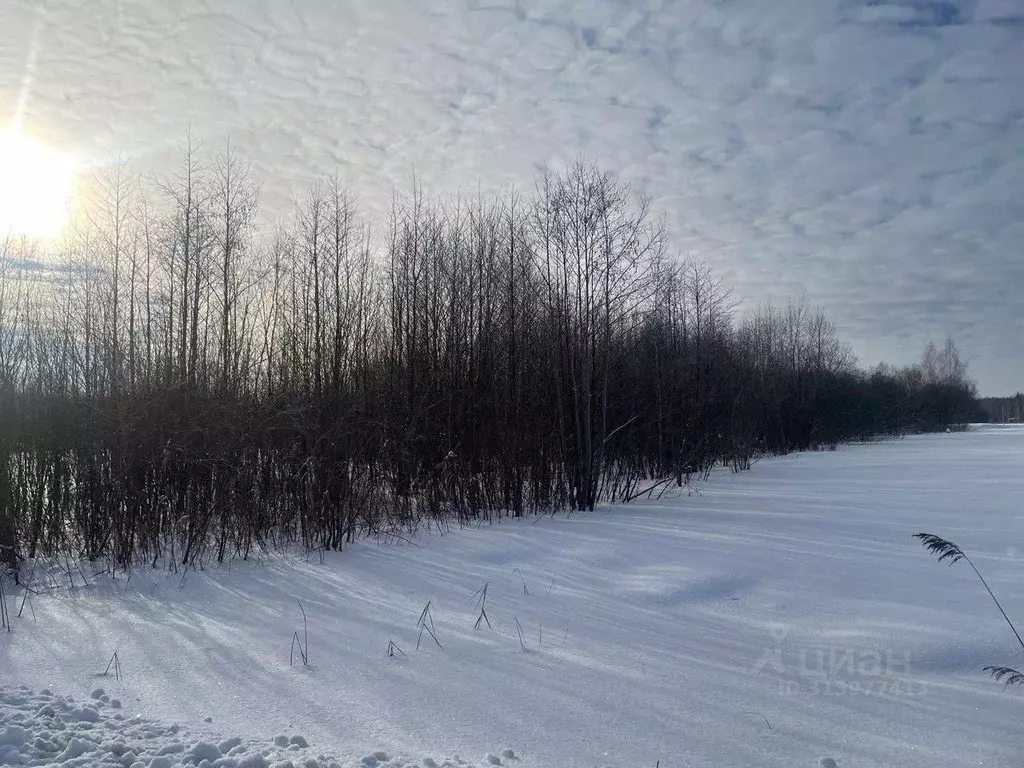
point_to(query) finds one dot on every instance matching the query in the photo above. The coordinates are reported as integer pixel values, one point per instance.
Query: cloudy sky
(868, 153)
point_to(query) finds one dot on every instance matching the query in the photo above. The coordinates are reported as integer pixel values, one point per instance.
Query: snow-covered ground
(777, 618)
(43, 728)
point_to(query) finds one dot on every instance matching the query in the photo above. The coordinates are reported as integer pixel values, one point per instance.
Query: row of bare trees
(177, 385)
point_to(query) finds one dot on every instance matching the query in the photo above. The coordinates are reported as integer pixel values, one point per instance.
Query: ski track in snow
(779, 617)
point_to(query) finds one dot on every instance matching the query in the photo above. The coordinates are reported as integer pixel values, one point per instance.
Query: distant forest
(1003, 410)
(178, 386)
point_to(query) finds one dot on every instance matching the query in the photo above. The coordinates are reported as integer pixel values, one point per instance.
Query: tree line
(179, 385)
(1002, 410)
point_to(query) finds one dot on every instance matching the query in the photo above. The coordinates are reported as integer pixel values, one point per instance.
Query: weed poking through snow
(115, 664)
(481, 602)
(303, 642)
(514, 572)
(393, 649)
(27, 598)
(947, 550)
(5, 617)
(759, 714)
(425, 623)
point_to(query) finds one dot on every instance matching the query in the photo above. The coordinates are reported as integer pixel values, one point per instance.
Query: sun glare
(36, 186)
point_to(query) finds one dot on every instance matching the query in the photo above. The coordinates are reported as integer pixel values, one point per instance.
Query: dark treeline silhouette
(176, 388)
(1002, 410)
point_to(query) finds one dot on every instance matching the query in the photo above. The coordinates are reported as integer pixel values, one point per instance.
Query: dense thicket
(175, 388)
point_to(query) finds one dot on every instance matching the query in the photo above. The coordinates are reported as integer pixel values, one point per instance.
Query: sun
(36, 186)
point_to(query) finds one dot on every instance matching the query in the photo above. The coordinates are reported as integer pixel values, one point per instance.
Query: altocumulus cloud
(868, 153)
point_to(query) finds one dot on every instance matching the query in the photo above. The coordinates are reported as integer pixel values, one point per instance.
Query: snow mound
(41, 728)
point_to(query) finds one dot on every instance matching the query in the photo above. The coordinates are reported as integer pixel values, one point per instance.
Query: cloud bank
(868, 153)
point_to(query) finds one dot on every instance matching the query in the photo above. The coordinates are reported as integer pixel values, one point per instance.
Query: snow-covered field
(776, 618)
